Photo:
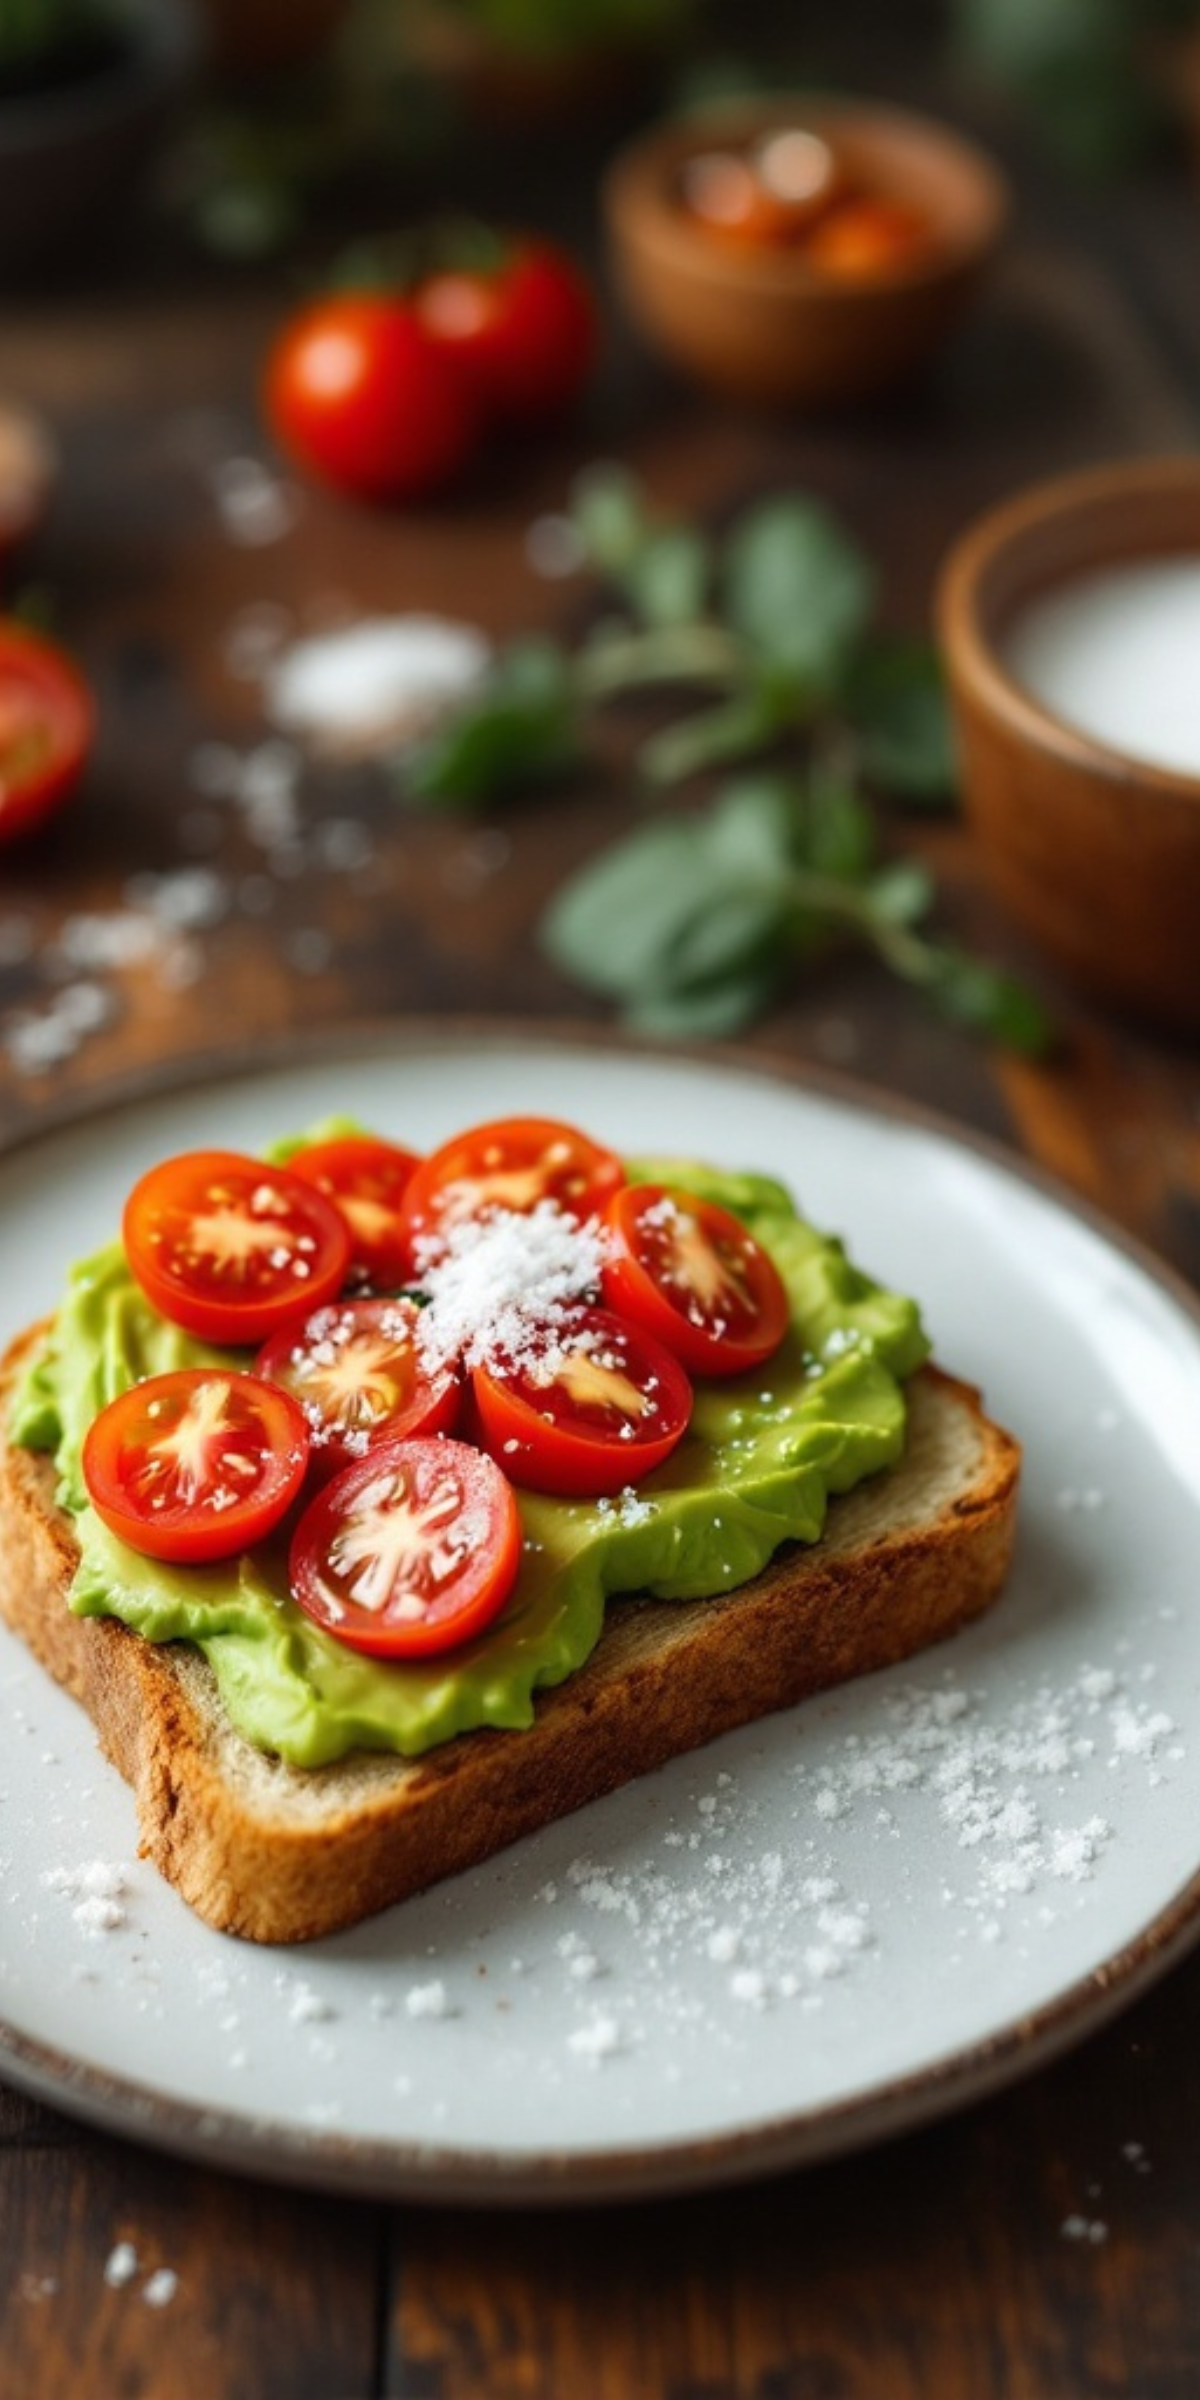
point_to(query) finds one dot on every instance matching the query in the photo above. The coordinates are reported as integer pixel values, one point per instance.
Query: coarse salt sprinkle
(498, 1285)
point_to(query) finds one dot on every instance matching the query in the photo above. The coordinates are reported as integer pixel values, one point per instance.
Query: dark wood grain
(1041, 2247)
(1031, 2247)
(147, 2280)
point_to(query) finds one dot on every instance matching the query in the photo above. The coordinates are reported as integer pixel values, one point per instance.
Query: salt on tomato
(412, 1550)
(522, 330)
(357, 392)
(366, 1180)
(514, 1164)
(695, 1276)
(589, 1407)
(231, 1248)
(195, 1465)
(46, 726)
(356, 1370)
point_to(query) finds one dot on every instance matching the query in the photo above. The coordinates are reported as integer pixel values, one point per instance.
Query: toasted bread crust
(280, 1854)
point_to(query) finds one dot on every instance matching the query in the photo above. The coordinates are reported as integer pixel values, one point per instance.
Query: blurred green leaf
(798, 589)
(608, 512)
(895, 701)
(987, 1001)
(667, 580)
(518, 728)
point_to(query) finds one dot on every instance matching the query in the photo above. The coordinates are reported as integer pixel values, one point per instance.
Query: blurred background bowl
(70, 153)
(1096, 852)
(766, 324)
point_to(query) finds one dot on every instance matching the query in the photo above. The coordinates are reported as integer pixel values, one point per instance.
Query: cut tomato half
(230, 1248)
(695, 1276)
(587, 1409)
(46, 726)
(514, 1164)
(411, 1550)
(366, 1180)
(355, 1368)
(195, 1465)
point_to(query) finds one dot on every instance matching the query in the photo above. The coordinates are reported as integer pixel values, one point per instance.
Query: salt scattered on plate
(98, 1892)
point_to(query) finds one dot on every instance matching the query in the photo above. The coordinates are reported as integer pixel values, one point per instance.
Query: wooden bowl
(1096, 852)
(766, 325)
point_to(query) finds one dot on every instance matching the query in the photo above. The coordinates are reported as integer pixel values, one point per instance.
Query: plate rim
(271, 2149)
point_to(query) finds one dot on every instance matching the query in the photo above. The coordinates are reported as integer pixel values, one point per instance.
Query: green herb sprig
(764, 636)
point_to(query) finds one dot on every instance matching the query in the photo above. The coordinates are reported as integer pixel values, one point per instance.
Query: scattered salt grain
(495, 1281)
(161, 2288)
(749, 1986)
(1137, 1734)
(255, 508)
(1084, 2229)
(36, 2288)
(121, 2265)
(97, 1891)
(428, 2000)
(306, 2006)
(723, 1944)
(368, 687)
(599, 2039)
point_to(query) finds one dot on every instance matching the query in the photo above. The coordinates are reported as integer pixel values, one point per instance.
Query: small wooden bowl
(765, 324)
(28, 472)
(1097, 853)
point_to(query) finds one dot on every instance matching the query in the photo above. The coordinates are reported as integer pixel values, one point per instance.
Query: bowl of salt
(1069, 620)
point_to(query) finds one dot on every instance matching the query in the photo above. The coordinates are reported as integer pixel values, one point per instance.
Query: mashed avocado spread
(762, 1456)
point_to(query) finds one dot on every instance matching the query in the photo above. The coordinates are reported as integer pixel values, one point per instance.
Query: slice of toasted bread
(281, 1854)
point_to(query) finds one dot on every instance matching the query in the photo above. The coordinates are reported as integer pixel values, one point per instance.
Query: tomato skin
(47, 722)
(295, 1246)
(524, 336)
(578, 1444)
(195, 1465)
(357, 393)
(510, 1163)
(366, 1180)
(415, 1614)
(664, 1248)
(354, 1369)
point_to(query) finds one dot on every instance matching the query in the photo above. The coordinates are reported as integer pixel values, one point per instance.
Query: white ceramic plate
(818, 1930)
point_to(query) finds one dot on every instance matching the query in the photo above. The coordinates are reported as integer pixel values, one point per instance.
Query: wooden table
(939, 2264)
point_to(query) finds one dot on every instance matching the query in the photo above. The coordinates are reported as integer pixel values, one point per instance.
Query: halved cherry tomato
(695, 1276)
(366, 1181)
(231, 1248)
(356, 1370)
(592, 1407)
(357, 392)
(515, 1163)
(46, 725)
(522, 331)
(413, 1549)
(195, 1465)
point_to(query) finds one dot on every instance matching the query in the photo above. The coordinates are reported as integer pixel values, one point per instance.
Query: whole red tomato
(523, 330)
(357, 392)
